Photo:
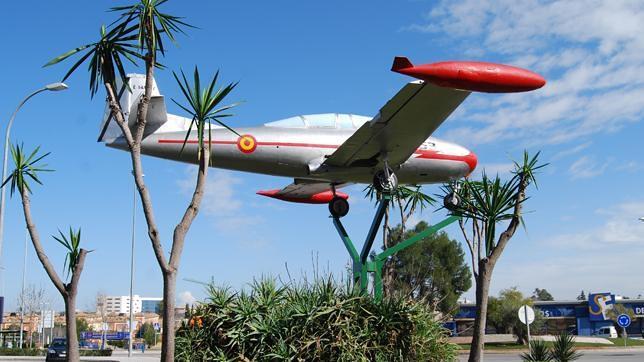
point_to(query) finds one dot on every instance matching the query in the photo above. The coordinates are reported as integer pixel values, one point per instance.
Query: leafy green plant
(539, 352)
(316, 320)
(202, 105)
(27, 167)
(72, 244)
(106, 54)
(563, 349)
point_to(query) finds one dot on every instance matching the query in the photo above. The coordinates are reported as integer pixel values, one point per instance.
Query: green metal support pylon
(361, 266)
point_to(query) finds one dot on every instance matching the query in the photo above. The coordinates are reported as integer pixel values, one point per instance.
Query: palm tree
(27, 169)
(139, 34)
(482, 205)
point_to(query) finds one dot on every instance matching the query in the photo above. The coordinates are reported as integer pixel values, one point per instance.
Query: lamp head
(56, 86)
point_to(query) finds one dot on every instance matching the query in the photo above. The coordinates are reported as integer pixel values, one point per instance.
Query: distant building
(151, 305)
(580, 317)
(121, 304)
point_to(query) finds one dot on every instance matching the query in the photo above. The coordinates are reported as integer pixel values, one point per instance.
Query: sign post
(526, 316)
(623, 320)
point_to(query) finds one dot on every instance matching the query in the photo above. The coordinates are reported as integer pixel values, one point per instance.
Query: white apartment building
(121, 304)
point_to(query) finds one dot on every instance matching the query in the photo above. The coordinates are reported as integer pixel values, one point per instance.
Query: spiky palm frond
(152, 23)
(539, 352)
(105, 56)
(414, 198)
(27, 168)
(492, 200)
(563, 349)
(203, 105)
(72, 244)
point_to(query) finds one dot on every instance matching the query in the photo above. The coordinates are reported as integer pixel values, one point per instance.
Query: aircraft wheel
(338, 207)
(451, 201)
(384, 184)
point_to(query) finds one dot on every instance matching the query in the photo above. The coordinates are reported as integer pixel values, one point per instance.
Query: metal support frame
(361, 266)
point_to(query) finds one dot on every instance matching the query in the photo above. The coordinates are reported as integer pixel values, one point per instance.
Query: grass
(629, 342)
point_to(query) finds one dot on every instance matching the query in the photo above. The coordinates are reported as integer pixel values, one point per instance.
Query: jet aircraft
(325, 152)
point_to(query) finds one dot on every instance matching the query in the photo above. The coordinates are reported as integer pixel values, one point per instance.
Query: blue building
(582, 318)
(151, 305)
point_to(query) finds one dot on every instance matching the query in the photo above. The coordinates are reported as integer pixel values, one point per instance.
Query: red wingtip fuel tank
(472, 76)
(319, 198)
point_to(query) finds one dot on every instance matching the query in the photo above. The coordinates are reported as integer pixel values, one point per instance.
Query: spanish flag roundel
(246, 143)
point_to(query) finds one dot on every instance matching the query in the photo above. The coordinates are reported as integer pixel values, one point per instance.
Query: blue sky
(297, 57)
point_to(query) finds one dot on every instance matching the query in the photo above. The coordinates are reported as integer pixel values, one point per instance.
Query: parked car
(57, 350)
(606, 332)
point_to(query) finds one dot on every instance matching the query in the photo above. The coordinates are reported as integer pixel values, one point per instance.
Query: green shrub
(95, 352)
(316, 321)
(22, 352)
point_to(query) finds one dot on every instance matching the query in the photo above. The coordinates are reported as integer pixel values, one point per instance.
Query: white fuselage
(299, 152)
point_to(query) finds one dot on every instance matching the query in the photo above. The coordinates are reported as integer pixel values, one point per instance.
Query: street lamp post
(49, 87)
(22, 294)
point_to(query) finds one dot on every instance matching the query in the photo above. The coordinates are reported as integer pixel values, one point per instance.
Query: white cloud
(571, 151)
(586, 167)
(590, 52)
(186, 297)
(590, 258)
(220, 200)
(620, 227)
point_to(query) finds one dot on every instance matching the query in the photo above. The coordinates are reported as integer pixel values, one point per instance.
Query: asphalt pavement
(590, 355)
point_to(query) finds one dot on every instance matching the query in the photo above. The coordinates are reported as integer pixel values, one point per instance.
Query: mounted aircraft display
(324, 152)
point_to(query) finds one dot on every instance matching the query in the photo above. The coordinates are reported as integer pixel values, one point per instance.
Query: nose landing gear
(385, 180)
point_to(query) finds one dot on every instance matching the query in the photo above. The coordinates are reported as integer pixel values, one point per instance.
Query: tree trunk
(482, 294)
(169, 286)
(70, 328)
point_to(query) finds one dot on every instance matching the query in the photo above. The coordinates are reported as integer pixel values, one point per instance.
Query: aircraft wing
(305, 191)
(400, 127)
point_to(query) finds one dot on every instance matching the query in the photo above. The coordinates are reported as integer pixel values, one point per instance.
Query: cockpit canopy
(325, 120)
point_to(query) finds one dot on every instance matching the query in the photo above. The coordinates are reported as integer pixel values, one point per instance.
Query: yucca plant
(72, 244)
(319, 321)
(139, 33)
(28, 166)
(482, 205)
(203, 107)
(106, 56)
(539, 352)
(563, 349)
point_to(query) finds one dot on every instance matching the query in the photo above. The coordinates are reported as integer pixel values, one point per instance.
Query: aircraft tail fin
(129, 98)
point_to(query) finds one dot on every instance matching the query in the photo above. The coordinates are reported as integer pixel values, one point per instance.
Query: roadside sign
(526, 314)
(157, 327)
(623, 320)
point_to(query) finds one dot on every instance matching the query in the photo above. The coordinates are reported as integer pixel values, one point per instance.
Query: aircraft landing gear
(338, 207)
(451, 201)
(385, 180)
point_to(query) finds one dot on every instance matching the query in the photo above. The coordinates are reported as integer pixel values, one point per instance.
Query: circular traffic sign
(623, 320)
(526, 314)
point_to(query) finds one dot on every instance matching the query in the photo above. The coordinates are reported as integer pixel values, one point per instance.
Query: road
(594, 355)
(117, 356)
